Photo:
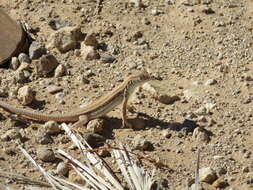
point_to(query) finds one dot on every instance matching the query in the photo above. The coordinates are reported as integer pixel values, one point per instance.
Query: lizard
(94, 110)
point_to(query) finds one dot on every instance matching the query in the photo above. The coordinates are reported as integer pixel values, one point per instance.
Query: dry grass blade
(197, 172)
(96, 161)
(134, 175)
(87, 173)
(23, 179)
(55, 185)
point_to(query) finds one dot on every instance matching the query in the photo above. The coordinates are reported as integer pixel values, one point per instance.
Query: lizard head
(140, 77)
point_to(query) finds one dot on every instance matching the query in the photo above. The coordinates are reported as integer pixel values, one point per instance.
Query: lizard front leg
(83, 119)
(125, 123)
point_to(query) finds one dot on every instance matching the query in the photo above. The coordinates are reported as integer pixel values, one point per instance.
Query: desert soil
(202, 51)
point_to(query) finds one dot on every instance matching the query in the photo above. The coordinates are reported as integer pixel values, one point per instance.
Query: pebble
(207, 175)
(137, 3)
(52, 128)
(200, 135)
(91, 40)
(45, 65)
(220, 183)
(60, 71)
(89, 53)
(142, 144)
(96, 126)
(161, 97)
(145, 21)
(81, 79)
(26, 95)
(62, 169)
(166, 133)
(155, 12)
(210, 82)
(208, 10)
(36, 50)
(65, 39)
(11, 134)
(14, 63)
(52, 89)
(46, 155)
(22, 57)
(19, 77)
(107, 58)
(43, 138)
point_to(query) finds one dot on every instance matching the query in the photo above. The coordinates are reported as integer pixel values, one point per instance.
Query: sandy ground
(201, 49)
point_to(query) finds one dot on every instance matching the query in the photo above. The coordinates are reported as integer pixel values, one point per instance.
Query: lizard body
(94, 110)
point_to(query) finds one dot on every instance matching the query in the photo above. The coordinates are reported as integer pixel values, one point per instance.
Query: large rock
(12, 38)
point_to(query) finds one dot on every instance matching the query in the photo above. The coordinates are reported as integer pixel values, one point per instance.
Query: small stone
(220, 183)
(166, 133)
(210, 82)
(201, 111)
(200, 135)
(45, 65)
(20, 77)
(52, 89)
(208, 10)
(207, 175)
(62, 169)
(142, 144)
(96, 126)
(161, 97)
(245, 169)
(90, 40)
(145, 21)
(36, 50)
(56, 24)
(170, 2)
(46, 155)
(82, 80)
(107, 58)
(89, 53)
(221, 171)
(65, 38)
(11, 151)
(60, 71)
(14, 63)
(22, 57)
(132, 65)
(166, 99)
(52, 128)
(11, 134)
(137, 3)
(60, 96)
(25, 95)
(43, 138)
(155, 12)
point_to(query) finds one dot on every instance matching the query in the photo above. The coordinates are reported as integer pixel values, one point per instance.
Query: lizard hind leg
(83, 119)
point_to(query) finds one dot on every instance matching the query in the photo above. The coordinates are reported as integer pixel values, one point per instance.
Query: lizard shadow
(187, 126)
